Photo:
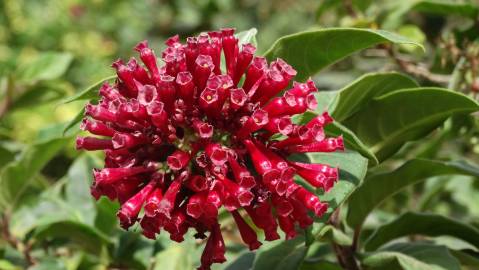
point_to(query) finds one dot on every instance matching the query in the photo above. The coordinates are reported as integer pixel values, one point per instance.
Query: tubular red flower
(286, 224)
(258, 119)
(178, 160)
(153, 202)
(100, 113)
(148, 57)
(311, 201)
(244, 59)
(130, 209)
(326, 145)
(126, 140)
(247, 233)
(203, 67)
(186, 87)
(255, 71)
(184, 139)
(92, 143)
(167, 203)
(216, 154)
(230, 48)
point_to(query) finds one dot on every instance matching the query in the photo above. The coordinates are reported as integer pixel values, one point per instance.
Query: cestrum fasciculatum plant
(185, 139)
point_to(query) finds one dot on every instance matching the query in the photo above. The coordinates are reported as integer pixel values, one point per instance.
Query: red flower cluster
(184, 139)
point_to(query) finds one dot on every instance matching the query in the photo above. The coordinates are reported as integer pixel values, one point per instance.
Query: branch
(417, 70)
(8, 97)
(344, 254)
(348, 5)
(13, 241)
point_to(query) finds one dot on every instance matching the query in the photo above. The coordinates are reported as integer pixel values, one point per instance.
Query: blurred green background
(51, 49)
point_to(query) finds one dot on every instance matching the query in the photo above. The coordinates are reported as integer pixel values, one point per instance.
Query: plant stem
(13, 241)
(416, 70)
(8, 97)
(344, 254)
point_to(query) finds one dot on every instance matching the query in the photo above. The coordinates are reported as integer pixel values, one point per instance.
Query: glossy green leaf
(424, 224)
(134, 251)
(309, 52)
(378, 187)
(244, 261)
(359, 93)
(174, 258)
(407, 256)
(389, 121)
(15, 176)
(77, 188)
(335, 235)
(441, 7)
(6, 265)
(351, 141)
(106, 219)
(40, 94)
(281, 255)
(5, 156)
(49, 263)
(81, 234)
(91, 92)
(70, 126)
(47, 66)
(399, 9)
(466, 257)
(326, 101)
(39, 212)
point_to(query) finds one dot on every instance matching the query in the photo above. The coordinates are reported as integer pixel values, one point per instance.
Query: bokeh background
(52, 49)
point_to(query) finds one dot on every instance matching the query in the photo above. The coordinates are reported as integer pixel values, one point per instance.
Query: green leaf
(135, 251)
(466, 257)
(281, 255)
(173, 258)
(326, 100)
(398, 11)
(389, 121)
(91, 92)
(359, 93)
(77, 188)
(424, 224)
(352, 169)
(248, 36)
(6, 265)
(351, 141)
(49, 263)
(69, 127)
(244, 261)
(447, 8)
(337, 236)
(5, 156)
(309, 52)
(81, 234)
(17, 175)
(38, 212)
(412, 257)
(47, 66)
(378, 187)
(106, 220)
(40, 94)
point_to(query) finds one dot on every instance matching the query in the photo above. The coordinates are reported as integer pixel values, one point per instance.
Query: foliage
(400, 78)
